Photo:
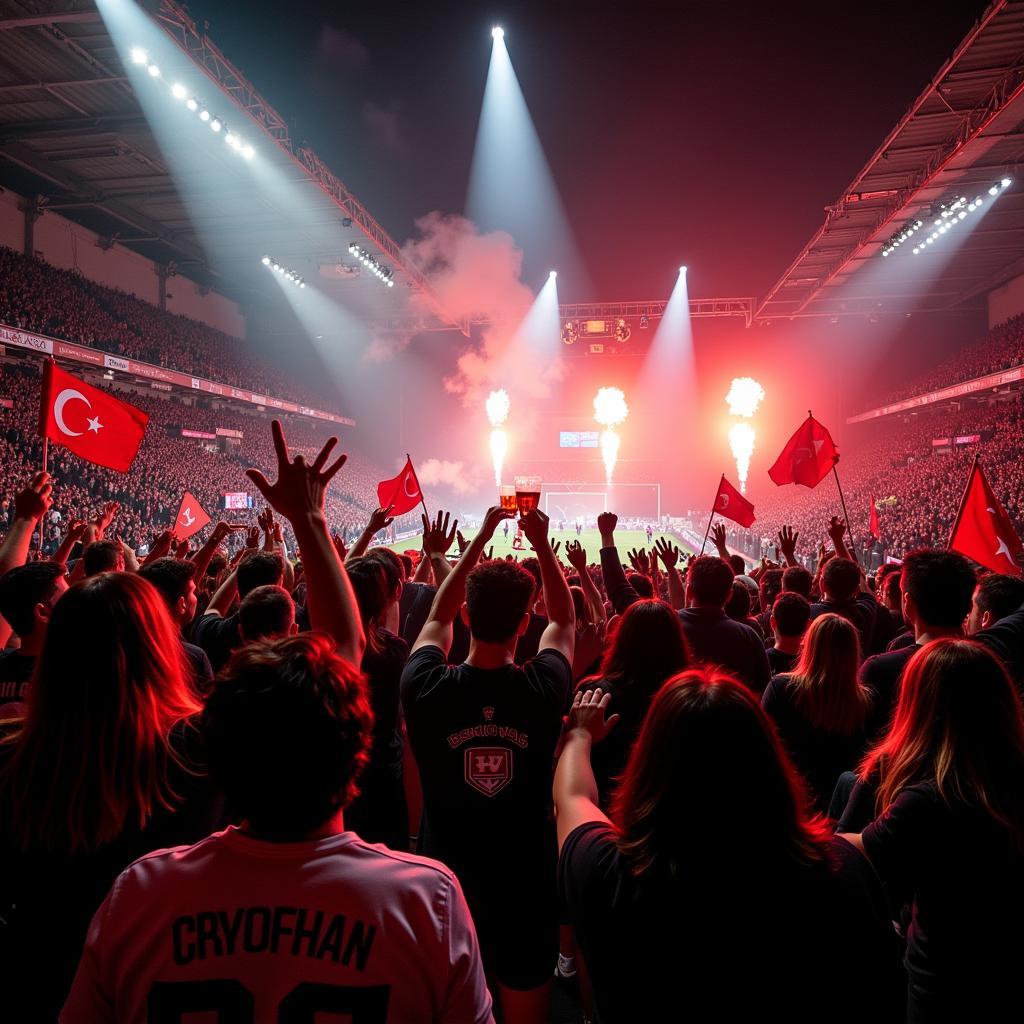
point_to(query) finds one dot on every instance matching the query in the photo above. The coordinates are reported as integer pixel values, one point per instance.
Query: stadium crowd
(281, 773)
(35, 296)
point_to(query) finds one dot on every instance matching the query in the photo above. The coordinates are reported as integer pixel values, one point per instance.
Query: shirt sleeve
(466, 996)
(90, 1000)
(552, 675)
(621, 592)
(896, 842)
(588, 858)
(418, 670)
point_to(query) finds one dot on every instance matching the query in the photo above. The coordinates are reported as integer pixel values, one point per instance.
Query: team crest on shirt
(488, 714)
(488, 769)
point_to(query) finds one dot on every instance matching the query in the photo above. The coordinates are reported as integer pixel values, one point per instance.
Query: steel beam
(56, 18)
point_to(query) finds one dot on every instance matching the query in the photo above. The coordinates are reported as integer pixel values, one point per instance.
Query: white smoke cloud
(462, 479)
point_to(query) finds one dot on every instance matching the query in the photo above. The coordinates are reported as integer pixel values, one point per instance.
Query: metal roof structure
(75, 137)
(965, 130)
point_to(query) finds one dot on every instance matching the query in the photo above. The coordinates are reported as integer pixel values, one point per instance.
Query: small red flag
(875, 528)
(808, 457)
(89, 422)
(731, 504)
(983, 531)
(191, 517)
(402, 491)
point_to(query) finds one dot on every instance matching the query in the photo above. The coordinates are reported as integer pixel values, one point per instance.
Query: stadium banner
(22, 339)
(969, 387)
(940, 442)
(95, 357)
(967, 439)
(202, 434)
(160, 387)
(227, 432)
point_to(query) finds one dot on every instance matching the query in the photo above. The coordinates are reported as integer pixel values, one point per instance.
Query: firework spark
(610, 411)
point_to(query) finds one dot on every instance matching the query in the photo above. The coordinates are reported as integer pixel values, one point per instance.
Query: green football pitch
(625, 540)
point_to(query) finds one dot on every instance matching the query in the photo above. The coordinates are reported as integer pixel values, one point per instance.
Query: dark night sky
(713, 135)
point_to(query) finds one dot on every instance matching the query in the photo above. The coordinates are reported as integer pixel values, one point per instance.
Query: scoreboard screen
(237, 499)
(577, 439)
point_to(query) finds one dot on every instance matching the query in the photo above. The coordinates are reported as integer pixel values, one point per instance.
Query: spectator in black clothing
(483, 734)
(104, 767)
(891, 631)
(217, 632)
(738, 606)
(996, 596)
(738, 566)
(646, 648)
(27, 596)
(948, 834)
(645, 587)
(103, 556)
(175, 579)
(822, 712)
(713, 885)
(266, 613)
(789, 617)
(379, 814)
(936, 587)
(797, 580)
(841, 586)
(712, 637)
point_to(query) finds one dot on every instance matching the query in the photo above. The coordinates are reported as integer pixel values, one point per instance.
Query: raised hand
(535, 527)
(495, 514)
(640, 562)
(76, 530)
(266, 523)
(106, 516)
(437, 537)
(836, 530)
(606, 524)
(380, 519)
(220, 533)
(278, 534)
(298, 492)
(718, 538)
(35, 500)
(339, 545)
(588, 714)
(555, 545)
(668, 553)
(252, 538)
(576, 554)
(460, 539)
(181, 549)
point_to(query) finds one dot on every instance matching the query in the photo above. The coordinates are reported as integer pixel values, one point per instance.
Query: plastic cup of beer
(527, 494)
(507, 495)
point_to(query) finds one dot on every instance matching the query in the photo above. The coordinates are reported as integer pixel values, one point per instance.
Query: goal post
(641, 501)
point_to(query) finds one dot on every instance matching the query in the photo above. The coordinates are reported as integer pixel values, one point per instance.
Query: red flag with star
(192, 517)
(808, 457)
(983, 531)
(731, 504)
(402, 491)
(88, 421)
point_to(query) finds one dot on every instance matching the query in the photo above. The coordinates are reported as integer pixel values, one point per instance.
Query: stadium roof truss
(74, 137)
(964, 131)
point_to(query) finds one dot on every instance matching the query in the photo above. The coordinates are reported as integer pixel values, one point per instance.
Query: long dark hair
(959, 724)
(647, 647)
(92, 754)
(708, 784)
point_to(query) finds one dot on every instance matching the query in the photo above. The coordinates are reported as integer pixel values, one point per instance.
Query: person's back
(711, 636)
(288, 916)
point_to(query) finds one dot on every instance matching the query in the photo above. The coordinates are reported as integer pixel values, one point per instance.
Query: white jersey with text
(252, 932)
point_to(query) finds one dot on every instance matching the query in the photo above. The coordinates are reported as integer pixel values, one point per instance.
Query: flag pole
(846, 515)
(711, 518)
(963, 502)
(46, 462)
(423, 501)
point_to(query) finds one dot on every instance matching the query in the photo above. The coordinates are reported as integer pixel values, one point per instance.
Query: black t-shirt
(964, 878)
(715, 639)
(218, 636)
(780, 661)
(820, 757)
(484, 741)
(379, 814)
(861, 611)
(15, 674)
(800, 943)
(883, 673)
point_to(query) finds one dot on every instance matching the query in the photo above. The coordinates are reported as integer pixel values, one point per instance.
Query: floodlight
(682, 270)
(248, 152)
(154, 71)
(139, 55)
(178, 91)
(204, 115)
(497, 32)
(1006, 182)
(266, 261)
(553, 274)
(216, 125)
(192, 105)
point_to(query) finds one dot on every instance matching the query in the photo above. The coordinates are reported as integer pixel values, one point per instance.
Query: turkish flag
(873, 526)
(402, 491)
(731, 504)
(89, 422)
(983, 530)
(191, 517)
(808, 457)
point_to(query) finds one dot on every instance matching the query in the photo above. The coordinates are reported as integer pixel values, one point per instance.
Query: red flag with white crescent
(88, 421)
(402, 491)
(731, 504)
(983, 531)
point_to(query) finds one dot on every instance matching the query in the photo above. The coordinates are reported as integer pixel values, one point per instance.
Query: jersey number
(233, 1003)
